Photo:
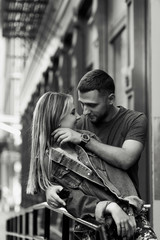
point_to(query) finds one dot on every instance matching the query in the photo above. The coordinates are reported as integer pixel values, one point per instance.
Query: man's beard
(96, 120)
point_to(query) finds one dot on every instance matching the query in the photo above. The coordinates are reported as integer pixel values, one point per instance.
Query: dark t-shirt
(127, 124)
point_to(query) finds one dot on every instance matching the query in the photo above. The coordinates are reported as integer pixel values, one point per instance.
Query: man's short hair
(96, 80)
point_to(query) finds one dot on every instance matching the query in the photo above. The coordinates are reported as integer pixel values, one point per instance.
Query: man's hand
(52, 197)
(64, 135)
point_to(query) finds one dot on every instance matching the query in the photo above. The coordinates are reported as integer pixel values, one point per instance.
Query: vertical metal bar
(102, 233)
(65, 227)
(26, 227)
(26, 223)
(47, 223)
(20, 224)
(35, 214)
(8, 225)
(14, 225)
(98, 235)
(11, 226)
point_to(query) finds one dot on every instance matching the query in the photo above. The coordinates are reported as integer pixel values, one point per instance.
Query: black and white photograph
(79, 119)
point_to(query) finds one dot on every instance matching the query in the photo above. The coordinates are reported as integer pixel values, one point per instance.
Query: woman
(92, 188)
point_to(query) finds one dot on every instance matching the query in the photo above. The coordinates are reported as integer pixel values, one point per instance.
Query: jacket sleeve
(81, 205)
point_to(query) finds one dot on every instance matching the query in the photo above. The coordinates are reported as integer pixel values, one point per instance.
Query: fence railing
(41, 222)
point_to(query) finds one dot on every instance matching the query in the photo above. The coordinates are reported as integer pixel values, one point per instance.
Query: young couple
(99, 174)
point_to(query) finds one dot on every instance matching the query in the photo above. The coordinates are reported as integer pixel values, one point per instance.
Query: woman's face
(69, 121)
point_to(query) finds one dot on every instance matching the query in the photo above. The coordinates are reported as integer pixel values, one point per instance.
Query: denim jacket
(91, 180)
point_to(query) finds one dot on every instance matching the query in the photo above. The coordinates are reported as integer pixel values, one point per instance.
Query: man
(122, 131)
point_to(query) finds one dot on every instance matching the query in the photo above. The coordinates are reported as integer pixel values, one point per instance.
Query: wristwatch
(85, 138)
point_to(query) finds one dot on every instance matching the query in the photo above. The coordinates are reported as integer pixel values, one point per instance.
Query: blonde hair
(49, 111)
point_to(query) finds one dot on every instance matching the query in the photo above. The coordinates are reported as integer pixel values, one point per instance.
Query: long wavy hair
(49, 111)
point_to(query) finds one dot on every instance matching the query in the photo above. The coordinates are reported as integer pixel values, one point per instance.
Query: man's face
(95, 105)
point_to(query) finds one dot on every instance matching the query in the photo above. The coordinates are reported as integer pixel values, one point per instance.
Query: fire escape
(22, 18)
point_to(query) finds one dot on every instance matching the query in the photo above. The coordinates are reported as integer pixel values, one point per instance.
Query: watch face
(85, 138)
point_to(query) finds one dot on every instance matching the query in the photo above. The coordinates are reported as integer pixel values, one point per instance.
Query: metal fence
(41, 222)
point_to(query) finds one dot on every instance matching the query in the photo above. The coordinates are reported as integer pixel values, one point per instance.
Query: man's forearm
(115, 156)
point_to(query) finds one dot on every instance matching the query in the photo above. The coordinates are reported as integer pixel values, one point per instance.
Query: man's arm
(122, 158)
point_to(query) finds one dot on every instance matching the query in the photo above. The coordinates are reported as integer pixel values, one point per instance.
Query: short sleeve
(138, 129)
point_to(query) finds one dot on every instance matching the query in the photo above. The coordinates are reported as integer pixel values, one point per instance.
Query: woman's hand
(52, 197)
(65, 135)
(126, 225)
